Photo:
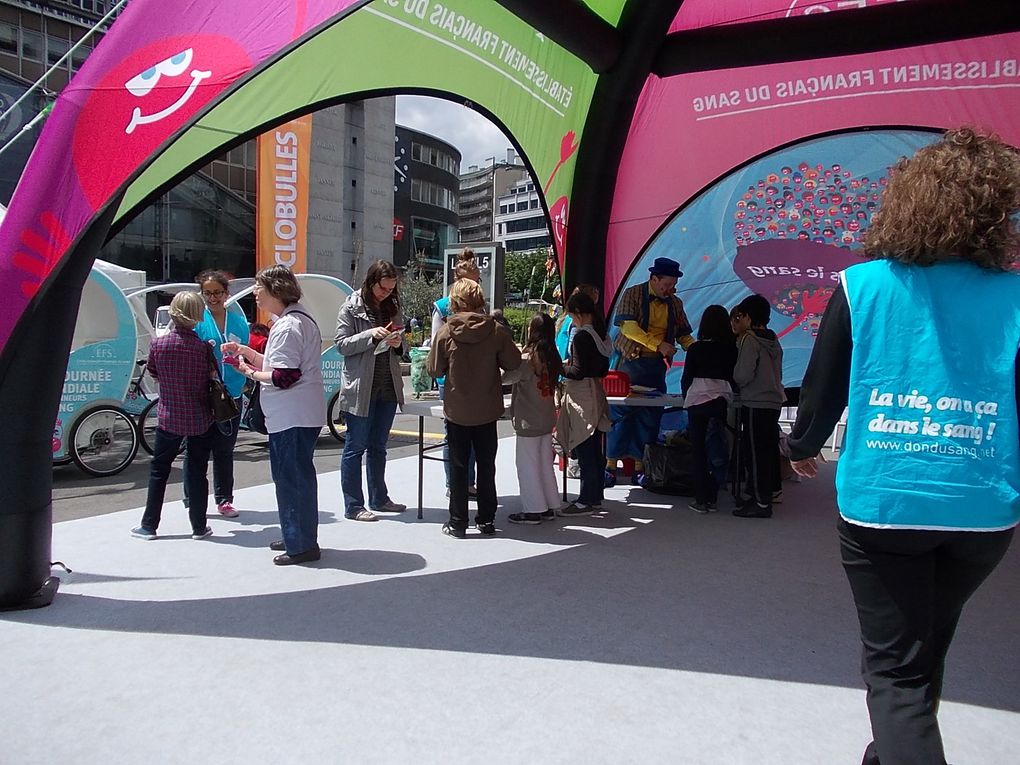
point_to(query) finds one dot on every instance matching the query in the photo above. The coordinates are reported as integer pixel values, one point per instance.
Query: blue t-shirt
(237, 331)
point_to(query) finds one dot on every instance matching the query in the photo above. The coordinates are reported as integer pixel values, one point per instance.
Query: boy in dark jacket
(472, 351)
(759, 377)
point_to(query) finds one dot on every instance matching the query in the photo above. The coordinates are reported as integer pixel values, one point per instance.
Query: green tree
(524, 272)
(418, 292)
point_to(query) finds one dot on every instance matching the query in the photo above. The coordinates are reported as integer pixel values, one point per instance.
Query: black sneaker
(487, 529)
(202, 533)
(753, 509)
(525, 519)
(576, 509)
(456, 533)
(548, 515)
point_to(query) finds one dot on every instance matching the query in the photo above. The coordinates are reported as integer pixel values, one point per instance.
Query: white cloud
(469, 132)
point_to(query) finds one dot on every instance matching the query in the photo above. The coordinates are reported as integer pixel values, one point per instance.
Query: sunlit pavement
(647, 633)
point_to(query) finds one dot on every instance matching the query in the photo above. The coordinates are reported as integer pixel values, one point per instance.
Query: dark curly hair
(952, 199)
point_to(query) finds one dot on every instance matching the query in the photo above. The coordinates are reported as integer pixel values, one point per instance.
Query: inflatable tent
(746, 138)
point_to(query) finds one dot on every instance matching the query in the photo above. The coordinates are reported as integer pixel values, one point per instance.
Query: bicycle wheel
(104, 441)
(147, 426)
(335, 418)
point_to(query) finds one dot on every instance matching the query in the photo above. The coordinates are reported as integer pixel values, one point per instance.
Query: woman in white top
(293, 399)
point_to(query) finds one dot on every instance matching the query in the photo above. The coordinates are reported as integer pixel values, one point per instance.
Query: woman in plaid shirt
(183, 364)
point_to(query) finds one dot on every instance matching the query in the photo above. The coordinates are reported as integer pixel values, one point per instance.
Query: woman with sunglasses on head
(219, 326)
(371, 387)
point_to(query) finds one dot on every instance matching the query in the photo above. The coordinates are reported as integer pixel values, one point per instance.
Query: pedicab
(92, 428)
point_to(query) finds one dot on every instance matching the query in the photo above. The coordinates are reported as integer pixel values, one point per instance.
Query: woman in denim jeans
(369, 337)
(292, 396)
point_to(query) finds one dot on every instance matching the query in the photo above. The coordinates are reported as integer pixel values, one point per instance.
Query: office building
(521, 222)
(480, 188)
(425, 193)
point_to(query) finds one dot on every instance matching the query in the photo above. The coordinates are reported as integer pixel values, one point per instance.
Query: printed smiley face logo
(141, 85)
(143, 101)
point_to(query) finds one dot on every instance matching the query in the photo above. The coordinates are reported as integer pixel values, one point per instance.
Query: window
(354, 183)
(56, 49)
(525, 224)
(31, 45)
(9, 39)
(354, 140)
(534, 204)
(78, 57)
(522, 206)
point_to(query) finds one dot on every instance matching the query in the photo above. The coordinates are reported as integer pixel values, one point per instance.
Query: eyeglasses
(214, 294)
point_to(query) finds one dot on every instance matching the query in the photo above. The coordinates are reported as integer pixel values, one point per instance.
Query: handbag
(223, 406)
(254, 418)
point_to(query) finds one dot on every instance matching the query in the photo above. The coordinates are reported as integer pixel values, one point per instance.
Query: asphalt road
(77, 495)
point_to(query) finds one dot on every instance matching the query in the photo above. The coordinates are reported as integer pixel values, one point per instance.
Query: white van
(161, 321)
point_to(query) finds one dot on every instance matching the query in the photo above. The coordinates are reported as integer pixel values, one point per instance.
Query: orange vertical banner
(282, 204)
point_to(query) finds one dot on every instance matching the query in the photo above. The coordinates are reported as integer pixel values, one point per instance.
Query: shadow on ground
(642, 586)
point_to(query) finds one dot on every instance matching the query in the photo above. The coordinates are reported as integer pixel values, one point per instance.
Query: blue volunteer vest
(443, 306)
(932, 435)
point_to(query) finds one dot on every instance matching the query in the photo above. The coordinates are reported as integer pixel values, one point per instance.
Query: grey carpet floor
(645, 634)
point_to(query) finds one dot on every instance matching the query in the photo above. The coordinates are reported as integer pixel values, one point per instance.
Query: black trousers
(759, 450)
(196, 483)
(698, 418)
(910, 588)
(483, 440)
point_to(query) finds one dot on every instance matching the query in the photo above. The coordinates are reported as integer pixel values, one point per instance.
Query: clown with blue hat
(652, 324)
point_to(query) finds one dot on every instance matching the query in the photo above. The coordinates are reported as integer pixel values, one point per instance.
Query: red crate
(616, 383)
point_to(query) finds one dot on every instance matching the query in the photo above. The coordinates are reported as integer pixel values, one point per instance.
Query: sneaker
(548, 515)
(575, 509)
(609, 479)
(712, 508)
(450, 531)
(487, 529)
(362, 515)
(390, 507)
(573, 469)
(753, 510)
(699, 507)
(525, 519)
(777, 497)
(206, 532)
(143, 533)
(227, 510)
(637, 478)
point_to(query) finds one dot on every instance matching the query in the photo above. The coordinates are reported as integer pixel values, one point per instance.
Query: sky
(472, 134)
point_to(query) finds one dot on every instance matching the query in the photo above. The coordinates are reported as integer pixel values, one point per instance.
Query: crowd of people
(920, 527)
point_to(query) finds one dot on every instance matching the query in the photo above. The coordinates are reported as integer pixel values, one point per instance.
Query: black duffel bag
(670, 469)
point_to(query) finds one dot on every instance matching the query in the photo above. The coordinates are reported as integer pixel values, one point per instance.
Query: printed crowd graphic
(783, 226)
(795, 230)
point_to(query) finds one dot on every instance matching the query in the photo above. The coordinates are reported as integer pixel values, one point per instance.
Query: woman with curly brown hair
(928, 482)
